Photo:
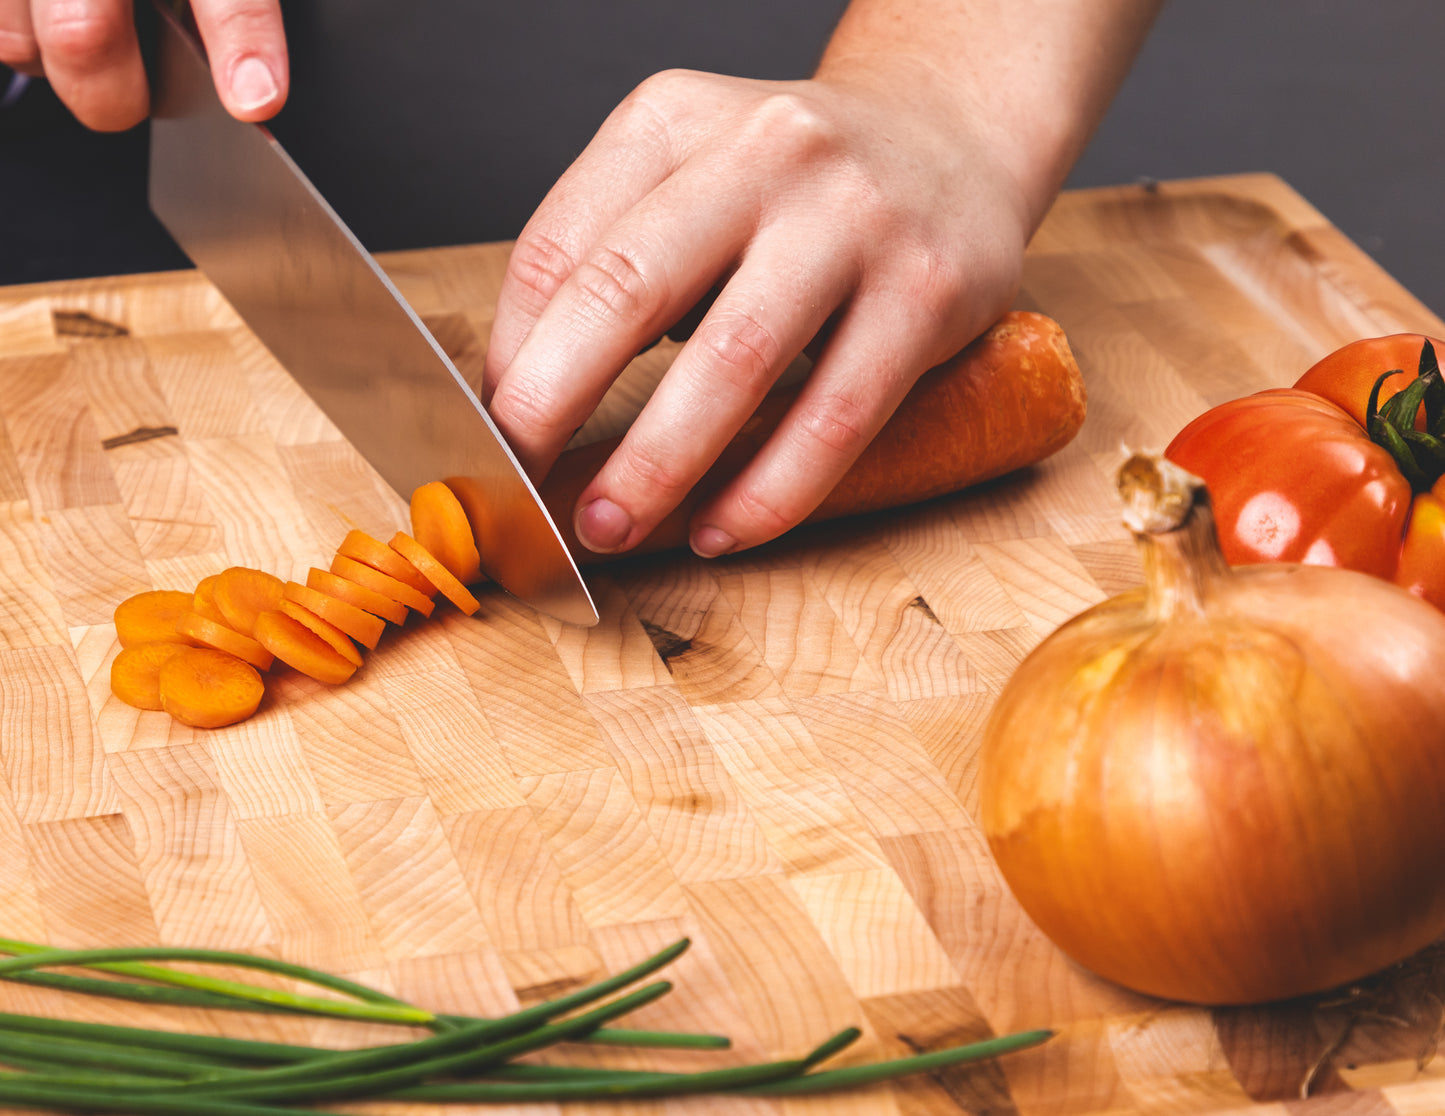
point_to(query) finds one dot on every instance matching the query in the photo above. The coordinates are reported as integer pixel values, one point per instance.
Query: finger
(628, 287)
(246, 44)
(858, 382)
(776, 302)
(92, 61)
(18, 48)
(642, 141)
(572, 217)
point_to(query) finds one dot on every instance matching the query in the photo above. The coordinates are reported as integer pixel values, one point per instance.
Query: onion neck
(1169, 513)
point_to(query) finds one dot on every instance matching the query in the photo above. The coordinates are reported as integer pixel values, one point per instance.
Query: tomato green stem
(1419, 455)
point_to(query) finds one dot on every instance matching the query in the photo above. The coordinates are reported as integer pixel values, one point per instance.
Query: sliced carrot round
(446, 583)
(242, 594)
(206, 688)
(375, 580)
(440, 523)
(368, 600)
(299, 647)
(218, 637)
(150, 617)
(339, 641)
(361, 547)
(135, 673)
(361, 626)
(203, 600)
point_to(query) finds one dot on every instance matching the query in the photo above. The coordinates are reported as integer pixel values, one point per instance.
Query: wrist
(919, 90)
(1029, 78)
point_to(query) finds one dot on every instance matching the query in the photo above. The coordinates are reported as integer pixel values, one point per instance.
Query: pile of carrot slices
(201, 656)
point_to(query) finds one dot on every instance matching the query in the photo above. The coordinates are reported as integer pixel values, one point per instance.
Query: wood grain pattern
(773, 754)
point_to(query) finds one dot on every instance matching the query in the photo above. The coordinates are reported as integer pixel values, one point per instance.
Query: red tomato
(1295, 476)
(1346, 376)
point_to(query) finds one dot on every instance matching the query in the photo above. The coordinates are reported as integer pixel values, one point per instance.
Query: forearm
(1035, 75)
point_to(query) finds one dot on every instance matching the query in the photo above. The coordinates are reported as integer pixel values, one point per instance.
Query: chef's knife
(244, 213)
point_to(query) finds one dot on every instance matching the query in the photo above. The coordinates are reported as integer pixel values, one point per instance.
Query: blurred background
(446, 122)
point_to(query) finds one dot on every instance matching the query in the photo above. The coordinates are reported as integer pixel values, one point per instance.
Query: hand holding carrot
(879, 210)
(816, 205)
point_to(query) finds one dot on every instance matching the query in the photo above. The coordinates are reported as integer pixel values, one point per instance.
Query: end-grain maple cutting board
(771, 754)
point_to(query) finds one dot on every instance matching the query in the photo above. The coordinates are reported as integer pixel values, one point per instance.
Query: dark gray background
(444, 122)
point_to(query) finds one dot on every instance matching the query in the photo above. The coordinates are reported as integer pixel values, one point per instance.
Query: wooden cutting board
(770, 754)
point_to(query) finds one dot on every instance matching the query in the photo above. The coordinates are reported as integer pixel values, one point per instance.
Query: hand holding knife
(250, 220)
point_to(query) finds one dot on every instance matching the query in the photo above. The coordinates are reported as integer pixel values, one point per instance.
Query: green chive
(634, 1084)
(855, 1076)
(378, 1071)
(374, 1005)
(92, 1067)
(214, 1047)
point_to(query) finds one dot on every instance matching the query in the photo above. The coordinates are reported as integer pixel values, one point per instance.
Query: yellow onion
(1228, 786)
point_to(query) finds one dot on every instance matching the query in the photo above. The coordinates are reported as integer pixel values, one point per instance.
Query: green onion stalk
(73, 1066)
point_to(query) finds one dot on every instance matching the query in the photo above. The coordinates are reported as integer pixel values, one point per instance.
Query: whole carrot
(1011, 398)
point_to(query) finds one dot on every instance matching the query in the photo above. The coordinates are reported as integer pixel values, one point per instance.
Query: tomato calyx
(1419, 454)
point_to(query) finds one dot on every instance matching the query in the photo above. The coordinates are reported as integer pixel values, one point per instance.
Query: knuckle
(766, 515)
(82, 34)
(656, 95)
(528, 412)
(856, 190)
(648, 113)
(652, 469)
(834, 422)
(613, 285)
(935, 280)
(937, 275)
(793, 127)
(951, 290)
(247, 19)
(666, 84)
(539, 265)
(739, 346)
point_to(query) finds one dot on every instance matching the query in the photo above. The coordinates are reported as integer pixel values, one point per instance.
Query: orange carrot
(204, 600)
(361, 547)
(207, 688)
(299, 647)
(361, 626)
(439, 523)
(135, 673)
(324, 581)
(375, 580)
(150, 617)
(338, 640)
(218, 637)
(242, 594)
(446, 583)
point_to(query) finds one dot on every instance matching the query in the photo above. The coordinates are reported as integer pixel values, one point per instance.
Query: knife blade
(250, 220)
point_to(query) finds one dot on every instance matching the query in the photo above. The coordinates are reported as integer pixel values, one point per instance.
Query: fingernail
(711, 542)
(253, 85)
(603, 526)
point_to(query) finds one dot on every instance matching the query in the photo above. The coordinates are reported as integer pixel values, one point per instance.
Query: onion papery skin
(1235, 801)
